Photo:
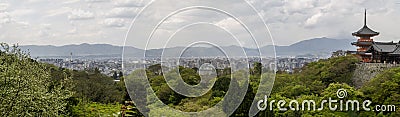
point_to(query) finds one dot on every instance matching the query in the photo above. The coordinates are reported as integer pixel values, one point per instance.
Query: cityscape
(108, 66)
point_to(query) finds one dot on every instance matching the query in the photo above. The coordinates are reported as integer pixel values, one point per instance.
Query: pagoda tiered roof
(365, 30)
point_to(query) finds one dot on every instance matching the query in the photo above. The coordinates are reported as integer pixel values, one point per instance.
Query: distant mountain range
(316, 46)
(321, 47)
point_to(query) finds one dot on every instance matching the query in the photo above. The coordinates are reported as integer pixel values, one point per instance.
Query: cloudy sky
(61, 22)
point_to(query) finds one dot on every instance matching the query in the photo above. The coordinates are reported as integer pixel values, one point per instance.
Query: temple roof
(386, 47)
(365, 30)
(396, 52)
(361, 43)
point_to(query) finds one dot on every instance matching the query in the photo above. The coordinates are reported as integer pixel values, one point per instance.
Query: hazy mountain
(317, 47)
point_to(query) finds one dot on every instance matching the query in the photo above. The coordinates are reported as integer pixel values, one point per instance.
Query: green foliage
(333, 70)
(96, 94)
(92, 86)
(27, 88)
(384, 89)
(30, 88)
(311, 82)
(189, 76)
(95, 109)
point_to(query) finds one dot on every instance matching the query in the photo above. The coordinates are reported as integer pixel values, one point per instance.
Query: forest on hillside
(30, 88)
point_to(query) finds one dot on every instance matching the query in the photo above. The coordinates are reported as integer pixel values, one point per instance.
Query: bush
(26, 87)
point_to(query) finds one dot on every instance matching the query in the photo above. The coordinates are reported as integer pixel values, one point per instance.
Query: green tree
(384, 90)
(257, 67)
(92, 86)
(26, 87)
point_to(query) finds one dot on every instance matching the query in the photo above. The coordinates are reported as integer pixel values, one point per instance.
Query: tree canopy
(27, 88)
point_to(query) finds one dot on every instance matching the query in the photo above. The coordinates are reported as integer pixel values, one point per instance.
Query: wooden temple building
(370, 51)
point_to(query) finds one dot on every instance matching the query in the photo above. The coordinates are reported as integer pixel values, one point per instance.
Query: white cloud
(129, 3)
(94, 1)
(71, 1)
(227, 23)
(79, 14)
(46, 26)
(43, 33)
(24, 25)
(72, 31)
(313, 19)
(114, 22)
(298, 6)
(58, 11)
(36, 1)
(4, 7)
(122, 12)
(5, 18)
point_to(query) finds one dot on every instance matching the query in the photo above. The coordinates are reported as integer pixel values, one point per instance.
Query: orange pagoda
(364, 41)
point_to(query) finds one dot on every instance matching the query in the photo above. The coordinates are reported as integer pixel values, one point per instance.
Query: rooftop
(365, 30)
(386, 47)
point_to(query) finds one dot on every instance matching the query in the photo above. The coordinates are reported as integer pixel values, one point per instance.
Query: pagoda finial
(365, 17)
